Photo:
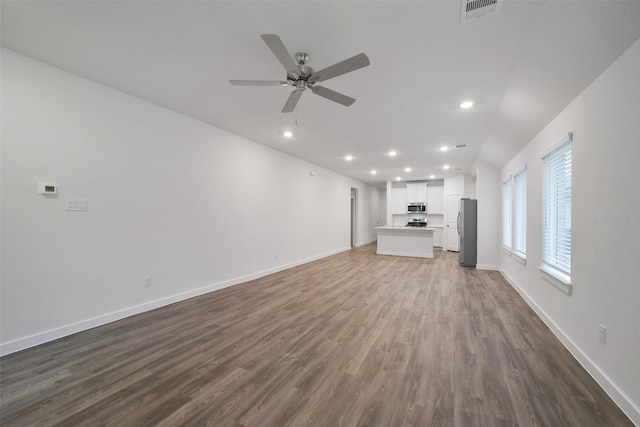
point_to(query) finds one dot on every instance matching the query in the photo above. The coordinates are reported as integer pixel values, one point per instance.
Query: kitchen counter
(405, 241)
(405, 228)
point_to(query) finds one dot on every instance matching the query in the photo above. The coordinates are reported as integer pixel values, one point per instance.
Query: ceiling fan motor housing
(301, 84)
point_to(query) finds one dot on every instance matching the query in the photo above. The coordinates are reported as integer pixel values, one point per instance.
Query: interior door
(451, 219)
(354, 216)
(353, 219)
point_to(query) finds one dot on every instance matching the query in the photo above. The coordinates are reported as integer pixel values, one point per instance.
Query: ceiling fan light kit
(302, 77)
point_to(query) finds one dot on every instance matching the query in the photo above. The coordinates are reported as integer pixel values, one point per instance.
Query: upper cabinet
(401, 194)
(399, 200)
(417, 192)
(462, 185)
(435, 196)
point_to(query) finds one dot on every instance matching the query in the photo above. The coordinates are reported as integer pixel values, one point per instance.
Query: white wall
(488, 195)
(194, 206)
(454, 185)
(605, 121)
(469, 187)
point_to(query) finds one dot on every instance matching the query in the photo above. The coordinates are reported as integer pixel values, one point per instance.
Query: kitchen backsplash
(400, 220)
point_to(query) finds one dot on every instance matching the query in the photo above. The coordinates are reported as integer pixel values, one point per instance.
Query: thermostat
(45, 188)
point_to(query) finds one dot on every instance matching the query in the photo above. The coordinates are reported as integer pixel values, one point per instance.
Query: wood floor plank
(355, 339)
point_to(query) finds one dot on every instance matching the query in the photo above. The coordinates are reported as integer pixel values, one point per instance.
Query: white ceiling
(521, 67)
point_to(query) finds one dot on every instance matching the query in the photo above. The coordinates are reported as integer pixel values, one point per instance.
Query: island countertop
(385, 227)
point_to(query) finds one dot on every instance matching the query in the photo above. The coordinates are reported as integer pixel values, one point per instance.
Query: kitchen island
(405, 241)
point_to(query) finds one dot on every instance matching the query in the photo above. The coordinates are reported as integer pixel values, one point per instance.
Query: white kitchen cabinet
(464, 185)
(417, 192)
(437, 237)
(405, 241)
(399, 200)
(435, 196)
(421, 193)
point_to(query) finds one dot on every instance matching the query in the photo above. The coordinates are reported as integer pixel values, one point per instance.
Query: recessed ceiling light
(444, 148)
(392, 153)
(398, 178)
(445, 167)
(288, 134)
(466, 104)
(349, 157)
(407, 169)
(373, 172)
(432, 176)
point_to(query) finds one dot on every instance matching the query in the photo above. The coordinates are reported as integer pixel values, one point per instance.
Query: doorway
(354, 217)
(451, 220)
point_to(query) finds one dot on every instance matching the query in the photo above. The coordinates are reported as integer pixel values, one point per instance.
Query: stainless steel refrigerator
(468, 232)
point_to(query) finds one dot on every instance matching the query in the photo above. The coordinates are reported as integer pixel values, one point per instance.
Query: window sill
(557, 278)
(518, 256)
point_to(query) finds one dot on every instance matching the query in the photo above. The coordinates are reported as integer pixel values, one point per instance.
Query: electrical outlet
(147, 281)
(603, 334)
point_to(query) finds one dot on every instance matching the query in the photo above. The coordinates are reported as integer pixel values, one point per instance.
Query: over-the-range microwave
(413, 208)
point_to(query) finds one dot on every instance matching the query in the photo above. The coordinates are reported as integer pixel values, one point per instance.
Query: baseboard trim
(487, 267)
(365, 243)
(407, 254)
(83, 325)
(618, 396)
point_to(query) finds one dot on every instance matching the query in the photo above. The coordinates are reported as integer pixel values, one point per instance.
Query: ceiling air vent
(474, 9)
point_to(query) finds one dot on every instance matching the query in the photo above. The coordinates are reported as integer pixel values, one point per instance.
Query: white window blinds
(520, 213)
(556, 208)
(506, 213)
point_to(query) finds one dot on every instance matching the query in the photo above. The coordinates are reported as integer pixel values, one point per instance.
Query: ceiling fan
(302, 77)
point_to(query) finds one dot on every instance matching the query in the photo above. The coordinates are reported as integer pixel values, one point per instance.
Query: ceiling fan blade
(333, 95)
(351, 64)
(281, 52)
(292, 101)
(258, 83)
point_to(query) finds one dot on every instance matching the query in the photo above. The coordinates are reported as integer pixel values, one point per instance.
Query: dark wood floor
(353, 339)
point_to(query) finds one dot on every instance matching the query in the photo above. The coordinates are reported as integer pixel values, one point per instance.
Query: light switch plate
(75, 204)
(603, 334)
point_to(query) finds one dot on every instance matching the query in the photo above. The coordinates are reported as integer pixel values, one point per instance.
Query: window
(556, 211)
(506, 214)
(520, 213)
(514, 216)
